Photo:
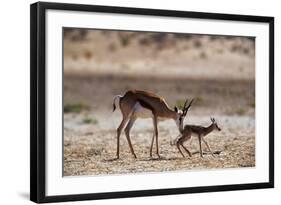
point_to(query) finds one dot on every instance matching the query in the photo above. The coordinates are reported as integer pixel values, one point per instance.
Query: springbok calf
(193, 130)
(142, 104)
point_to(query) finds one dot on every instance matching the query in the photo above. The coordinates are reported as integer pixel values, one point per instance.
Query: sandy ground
(94, 152)
(221, 80)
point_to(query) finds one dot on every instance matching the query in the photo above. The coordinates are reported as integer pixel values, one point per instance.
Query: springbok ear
(176, 109)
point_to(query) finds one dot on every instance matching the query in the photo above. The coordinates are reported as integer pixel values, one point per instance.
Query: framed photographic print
(129, 102)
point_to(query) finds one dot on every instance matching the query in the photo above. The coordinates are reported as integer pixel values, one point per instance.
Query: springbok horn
(185, 103)
(189, 104)
(184, 107)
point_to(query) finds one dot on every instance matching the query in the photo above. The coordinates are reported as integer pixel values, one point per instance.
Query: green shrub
(199, 100)
(89, 120)
(124, 40)
(180, 103)
(240, 111)
(75, 107)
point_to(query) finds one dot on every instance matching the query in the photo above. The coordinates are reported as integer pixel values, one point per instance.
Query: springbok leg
(127, 133)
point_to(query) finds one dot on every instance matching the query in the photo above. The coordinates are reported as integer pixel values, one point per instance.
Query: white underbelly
(141, 112)
(194, 134)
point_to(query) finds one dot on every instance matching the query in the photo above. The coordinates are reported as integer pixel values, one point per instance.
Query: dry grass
(95, 153)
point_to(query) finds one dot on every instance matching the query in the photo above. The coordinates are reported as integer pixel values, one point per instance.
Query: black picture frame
(38, 101)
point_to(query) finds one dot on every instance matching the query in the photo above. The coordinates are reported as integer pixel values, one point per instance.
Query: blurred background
(214, 69)
(218, 71)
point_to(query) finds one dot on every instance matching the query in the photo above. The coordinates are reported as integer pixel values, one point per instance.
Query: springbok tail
(114, 99)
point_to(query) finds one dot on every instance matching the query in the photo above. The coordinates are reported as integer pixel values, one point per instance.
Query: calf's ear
(176, 109)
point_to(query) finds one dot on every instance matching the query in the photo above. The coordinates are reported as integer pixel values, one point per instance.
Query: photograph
(149, 102)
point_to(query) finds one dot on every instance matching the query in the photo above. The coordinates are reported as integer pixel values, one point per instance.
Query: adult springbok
(198, 131)
(142, 104)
